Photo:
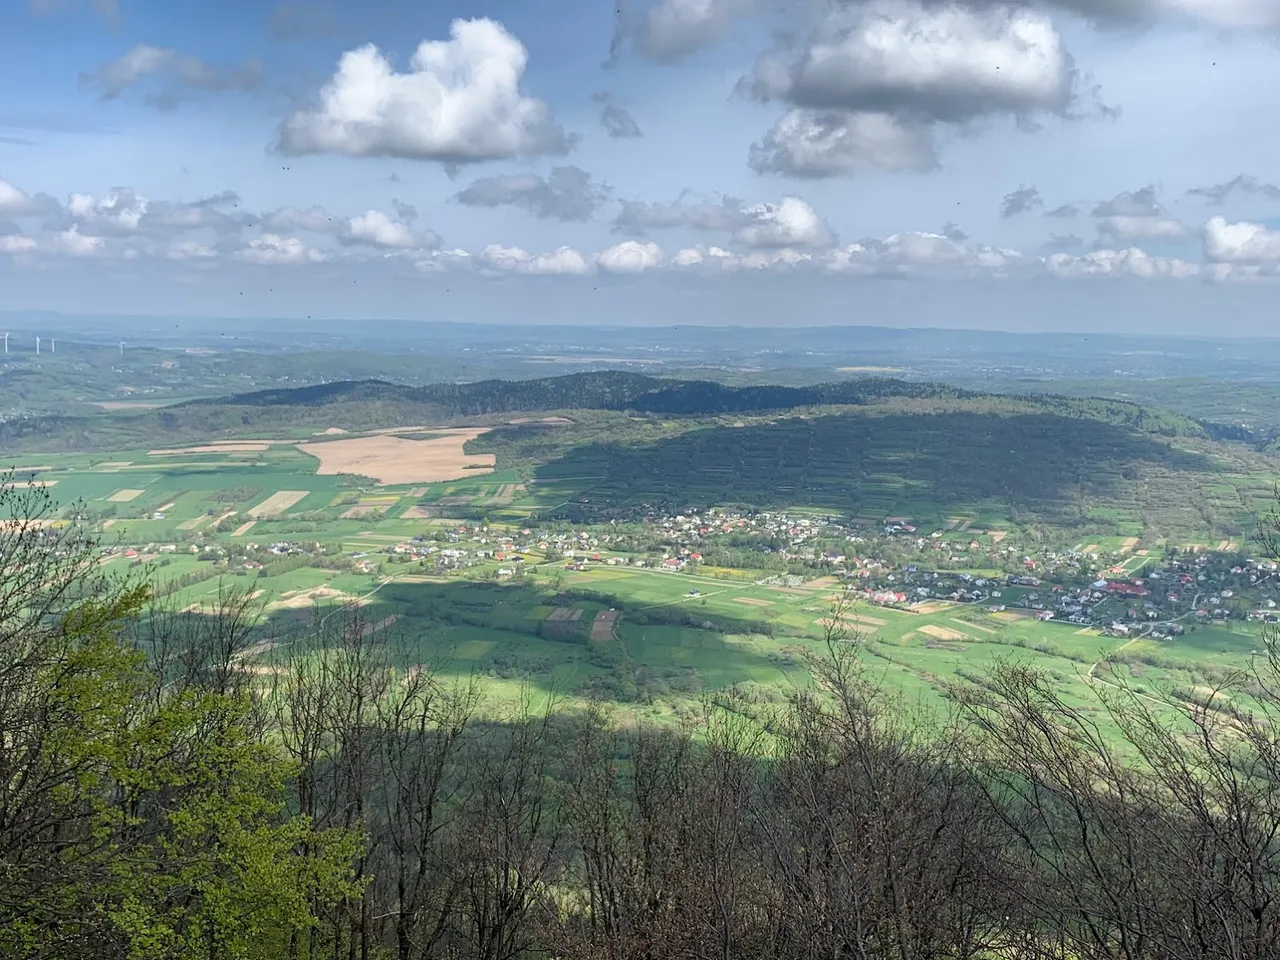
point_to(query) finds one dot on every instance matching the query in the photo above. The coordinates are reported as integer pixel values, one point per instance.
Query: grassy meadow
(677, 636)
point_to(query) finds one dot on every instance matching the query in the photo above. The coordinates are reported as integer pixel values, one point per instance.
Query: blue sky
(933, 162)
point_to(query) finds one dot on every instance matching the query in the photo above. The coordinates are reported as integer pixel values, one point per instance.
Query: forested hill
(605, 390)
(618, 390)
(369, 404)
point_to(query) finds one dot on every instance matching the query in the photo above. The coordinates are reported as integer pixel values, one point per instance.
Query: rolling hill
(863, 448)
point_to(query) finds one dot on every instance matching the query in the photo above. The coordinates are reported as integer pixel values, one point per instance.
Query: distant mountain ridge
(624, 391)
(370, 404)
(602, 390)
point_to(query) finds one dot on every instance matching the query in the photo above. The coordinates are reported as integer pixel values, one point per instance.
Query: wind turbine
(37, 346)
(6, 344)
(53, 344)
(122, 349)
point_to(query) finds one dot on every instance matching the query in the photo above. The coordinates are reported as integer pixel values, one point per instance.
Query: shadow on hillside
(494, 632)
(851, 463)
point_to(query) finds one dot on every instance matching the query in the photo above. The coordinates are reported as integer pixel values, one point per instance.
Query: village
(898, 565)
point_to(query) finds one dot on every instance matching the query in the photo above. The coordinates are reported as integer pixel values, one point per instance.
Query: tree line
(175, 785)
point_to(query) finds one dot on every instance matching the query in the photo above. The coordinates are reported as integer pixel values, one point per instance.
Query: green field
(669, 648)
(198, 520)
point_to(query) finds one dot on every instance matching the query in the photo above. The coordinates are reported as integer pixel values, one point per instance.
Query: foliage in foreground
(166, 795)
(141, 806)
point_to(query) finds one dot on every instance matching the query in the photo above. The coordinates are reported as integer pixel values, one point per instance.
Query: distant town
(1158, 594)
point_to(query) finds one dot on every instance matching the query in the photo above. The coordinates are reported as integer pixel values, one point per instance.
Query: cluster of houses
(1187, 589)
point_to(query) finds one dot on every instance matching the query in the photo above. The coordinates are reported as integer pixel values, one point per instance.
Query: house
(1123, 589)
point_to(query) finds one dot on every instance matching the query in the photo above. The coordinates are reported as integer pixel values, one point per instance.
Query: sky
(1000, 164)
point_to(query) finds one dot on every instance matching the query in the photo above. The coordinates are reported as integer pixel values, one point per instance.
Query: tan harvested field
(539, 420)
(371, 628)
(29, 524)
(124, 496)
(29, 483)
(859, 627)
(193, 523)
(823, 583)
(166, 508)
(300, 599)
(942, 633)
(108, 524)
(392, 460)
(277, 503)
(418, 513)
(418, 492)
(602, 626)
(792, 590)
(382, 431)
(933, 606)
(863, 618)
(1013, 616)
(855, 620)
(238, 447)
(507, 493)
(752, 602)
(361, 510)
(1129, 544)
(244, 528)
(973, 626)
(39, 469)
(114, 464)
(119, 405)
(334, 432)
(248, 653)
(998, 535)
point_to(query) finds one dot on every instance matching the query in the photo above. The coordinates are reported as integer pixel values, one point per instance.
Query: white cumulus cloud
(924, 255)
(17, 244)
(15, 202)
(833, 143)
(1240, 243)
(460, 102)
(789, 223)
(1131, 262)
(271, 249)
(944, 61)
(669, 30)
(190, 250)
(562, 261)
(1141, 228)
(630, 256)
(76, 244)
(377, 229)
